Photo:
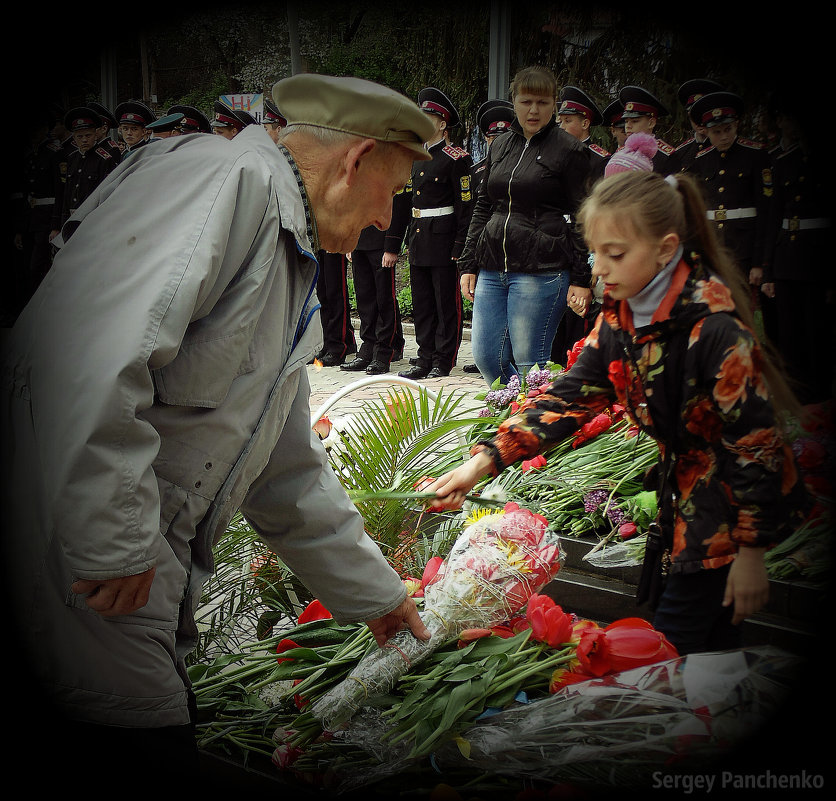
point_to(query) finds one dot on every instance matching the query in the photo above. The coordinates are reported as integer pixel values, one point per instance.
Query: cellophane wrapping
(619, 728)
(611, 732)
(497, 563)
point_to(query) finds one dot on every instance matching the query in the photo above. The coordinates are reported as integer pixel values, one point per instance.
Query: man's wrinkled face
(131, 133)
(362, 196)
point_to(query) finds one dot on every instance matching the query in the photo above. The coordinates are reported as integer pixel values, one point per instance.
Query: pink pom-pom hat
(637, 154)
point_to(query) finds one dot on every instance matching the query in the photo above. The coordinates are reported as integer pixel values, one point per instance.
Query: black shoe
(377, 367)
(356, 365)
(331, 360)
(413, 360)
(415, 373)
(470, 368)
(438, 372)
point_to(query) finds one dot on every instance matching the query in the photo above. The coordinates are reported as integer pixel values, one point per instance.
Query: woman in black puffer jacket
(522, 259)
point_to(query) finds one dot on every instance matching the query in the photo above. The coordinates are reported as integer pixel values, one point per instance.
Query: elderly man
(158, 385)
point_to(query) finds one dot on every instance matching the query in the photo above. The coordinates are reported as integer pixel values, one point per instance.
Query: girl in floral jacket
(674, 344)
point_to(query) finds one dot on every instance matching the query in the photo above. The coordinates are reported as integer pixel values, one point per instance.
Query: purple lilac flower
(593, 499)
(536, 378)
(486, 412)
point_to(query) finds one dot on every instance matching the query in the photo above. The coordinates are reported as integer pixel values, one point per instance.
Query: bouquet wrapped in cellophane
(497, 563)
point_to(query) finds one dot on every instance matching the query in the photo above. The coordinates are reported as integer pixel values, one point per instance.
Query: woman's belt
(438, 212)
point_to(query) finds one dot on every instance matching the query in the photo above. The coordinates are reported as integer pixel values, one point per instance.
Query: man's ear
(355, 156)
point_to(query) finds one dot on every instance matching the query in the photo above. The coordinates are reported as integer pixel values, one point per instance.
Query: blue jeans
(515, 317)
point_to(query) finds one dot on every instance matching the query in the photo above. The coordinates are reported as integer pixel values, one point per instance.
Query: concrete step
(606, 594)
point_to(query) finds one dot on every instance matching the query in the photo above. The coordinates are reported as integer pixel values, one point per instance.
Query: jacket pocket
(204, 369)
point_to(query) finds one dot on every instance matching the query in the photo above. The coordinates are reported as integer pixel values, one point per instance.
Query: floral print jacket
(734, 479)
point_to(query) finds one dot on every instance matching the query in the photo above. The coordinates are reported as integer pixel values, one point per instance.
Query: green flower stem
(510, 678)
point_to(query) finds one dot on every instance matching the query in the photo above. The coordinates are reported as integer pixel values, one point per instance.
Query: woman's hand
(578, 299)
(468, 285)
(747, 586)
(453, 487)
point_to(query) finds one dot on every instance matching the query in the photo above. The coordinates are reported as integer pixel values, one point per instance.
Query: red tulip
(432, 571)
(562, 677)
(534, 464)
(627, 530)
(597, 425)
(469, 635)
(549, 623)
(285, 645)
(313, 611)
(285, 755)
(626, 643)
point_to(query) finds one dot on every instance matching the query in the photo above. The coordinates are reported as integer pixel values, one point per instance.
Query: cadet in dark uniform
(273, 121)
(373, 264)
(335, 309)
(737, 178)
(799, 275)
(87, 166)
(226, 122)
(614, 120)
(194, 121)
(245, 117)
(576, 114)
(104, 133)
(641, 115)
(132, 117)
(164, 127)
(38, 206)
(493, 118)
(31, 178)
(442, 202)
(682, 159)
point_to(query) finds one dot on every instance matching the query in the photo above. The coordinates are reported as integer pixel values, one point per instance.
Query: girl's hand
(747, 586)
(452, 487)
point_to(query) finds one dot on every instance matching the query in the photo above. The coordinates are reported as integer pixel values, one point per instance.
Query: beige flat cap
(355, 106)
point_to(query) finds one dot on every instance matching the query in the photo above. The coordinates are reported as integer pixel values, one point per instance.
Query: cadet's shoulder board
(664, 147)
(104, 153)
(599, 150)
(686, 143)
(53, 146)
(454, 152)
(752, 144)
(705, 151)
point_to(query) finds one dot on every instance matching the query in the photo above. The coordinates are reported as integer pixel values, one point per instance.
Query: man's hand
(117, 596)
(389, 259)
(756, 276)
(405, 616)
(768, 289)
(747, 586)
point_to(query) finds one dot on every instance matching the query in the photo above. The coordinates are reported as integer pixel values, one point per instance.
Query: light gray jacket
(162, 362)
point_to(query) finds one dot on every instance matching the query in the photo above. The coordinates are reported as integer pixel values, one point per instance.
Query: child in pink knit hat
(637, 154)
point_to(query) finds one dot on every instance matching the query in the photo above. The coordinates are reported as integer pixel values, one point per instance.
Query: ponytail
(656, 206)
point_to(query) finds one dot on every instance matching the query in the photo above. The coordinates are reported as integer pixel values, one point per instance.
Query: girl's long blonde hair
(655, 206)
